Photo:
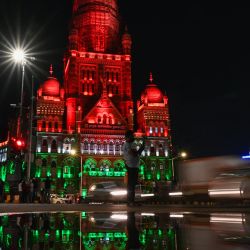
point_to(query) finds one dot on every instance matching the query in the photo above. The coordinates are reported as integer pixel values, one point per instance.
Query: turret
(126, 42)
(97, 24)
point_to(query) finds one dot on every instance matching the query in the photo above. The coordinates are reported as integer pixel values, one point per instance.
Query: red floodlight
(18, 143)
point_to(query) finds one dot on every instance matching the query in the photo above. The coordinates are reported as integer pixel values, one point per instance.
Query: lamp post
(31, 130)
(73, 152)
(180, 155)
(19, 57)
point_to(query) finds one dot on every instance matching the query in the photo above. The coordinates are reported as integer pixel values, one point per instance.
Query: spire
(51, 70)
(126, 29)
(151, 77)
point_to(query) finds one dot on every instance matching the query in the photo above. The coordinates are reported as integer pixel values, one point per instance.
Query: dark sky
(199, 55)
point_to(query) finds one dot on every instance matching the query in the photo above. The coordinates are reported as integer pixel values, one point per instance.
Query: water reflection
(122, 230)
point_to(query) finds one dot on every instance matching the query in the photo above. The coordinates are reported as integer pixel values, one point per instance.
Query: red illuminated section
(153, 115)
(50, 105)
(95, 26)
(71, 114)
(98, 60)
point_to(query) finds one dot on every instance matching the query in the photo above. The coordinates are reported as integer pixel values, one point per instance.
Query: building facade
(93, 107)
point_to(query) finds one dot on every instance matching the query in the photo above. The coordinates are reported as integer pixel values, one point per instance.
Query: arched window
(152, 149)
(117, 146)
(50, 125)
(104, 119)
(99, 119)
(110, 120)
(86, 145)
(111, 146)
(44, 162)
(43, 124)
(53, 164)
(45, 143)
(54, 146)
(56, 125)
(92, 145)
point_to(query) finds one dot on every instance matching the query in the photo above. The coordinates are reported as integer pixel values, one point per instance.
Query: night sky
(199, 55)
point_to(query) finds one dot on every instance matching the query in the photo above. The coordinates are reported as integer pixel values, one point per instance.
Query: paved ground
(21, 208)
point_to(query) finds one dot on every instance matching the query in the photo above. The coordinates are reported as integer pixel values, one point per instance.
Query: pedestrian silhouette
(133, 242)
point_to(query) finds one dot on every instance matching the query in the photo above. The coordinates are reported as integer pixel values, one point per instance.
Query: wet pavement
(125, 229)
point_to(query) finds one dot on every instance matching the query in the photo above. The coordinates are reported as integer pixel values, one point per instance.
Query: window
(150, 130)
(43, 124)
(54, 145)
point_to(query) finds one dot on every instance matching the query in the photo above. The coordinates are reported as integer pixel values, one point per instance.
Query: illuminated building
(93, 108)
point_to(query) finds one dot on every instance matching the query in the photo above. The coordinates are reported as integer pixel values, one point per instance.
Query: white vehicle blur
(211, 177)
(115, 191)
(231, 185)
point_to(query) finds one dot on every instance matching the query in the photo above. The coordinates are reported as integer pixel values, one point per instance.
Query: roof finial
(51, 70)
(151, 77)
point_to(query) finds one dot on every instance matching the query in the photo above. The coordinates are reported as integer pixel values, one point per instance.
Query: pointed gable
(104, 115)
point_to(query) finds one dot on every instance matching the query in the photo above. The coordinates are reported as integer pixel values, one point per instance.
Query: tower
(153, 123)
(97, 81)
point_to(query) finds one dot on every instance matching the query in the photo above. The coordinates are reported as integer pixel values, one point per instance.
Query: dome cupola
(152, 94)
(51, 87)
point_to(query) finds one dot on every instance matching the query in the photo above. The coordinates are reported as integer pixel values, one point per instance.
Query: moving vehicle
(213, 178)
(112, 191)
(60, 199)
(231, 185)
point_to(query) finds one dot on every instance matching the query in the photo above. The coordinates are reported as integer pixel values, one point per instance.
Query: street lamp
(182, 155)
(19, 56)
(73, 152)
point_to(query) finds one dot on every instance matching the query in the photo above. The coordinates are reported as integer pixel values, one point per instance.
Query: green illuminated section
(119, 239)
(1, 235)
(104, 169)
(48, 171)
(67, 236)
(84, 215)
(38, 172)
(84, 192)
(169, 173)
(23, 166)
(3, 173)
(8, 240)
(157, 236)
(6, 187)
(11, 167)
(35, 234)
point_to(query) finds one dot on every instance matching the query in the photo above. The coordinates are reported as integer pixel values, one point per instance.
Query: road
(155, 208)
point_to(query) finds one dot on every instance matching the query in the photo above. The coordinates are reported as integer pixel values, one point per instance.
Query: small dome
(152, 93)
(51, 87)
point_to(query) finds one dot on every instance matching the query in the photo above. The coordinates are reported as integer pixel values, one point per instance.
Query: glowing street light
(74, 153)
(183, 154)
(19, 56)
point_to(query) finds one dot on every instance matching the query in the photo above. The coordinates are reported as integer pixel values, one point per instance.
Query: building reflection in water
(118, 230)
